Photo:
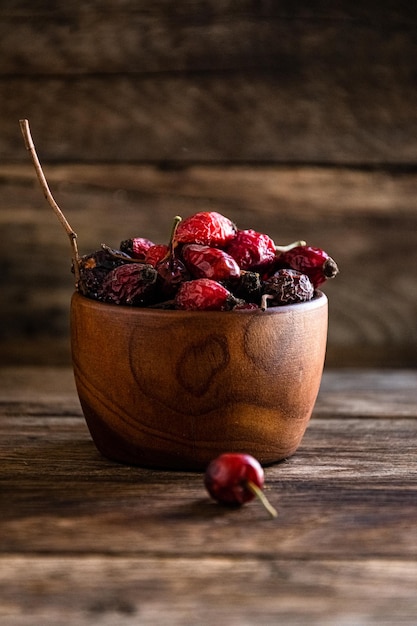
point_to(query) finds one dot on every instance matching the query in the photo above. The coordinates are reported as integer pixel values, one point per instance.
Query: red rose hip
(156, 253)
(209, 262)
(252, 250)
(207, 228)
(313, 262)
(204, 294)
(131, 284)
(236, 478)
(136, 247)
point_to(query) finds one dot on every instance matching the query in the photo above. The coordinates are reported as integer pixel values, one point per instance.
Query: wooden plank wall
(295, 118)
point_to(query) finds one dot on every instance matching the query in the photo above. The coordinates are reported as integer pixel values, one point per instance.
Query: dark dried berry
(171, 274)
(118, 254)
(248, 286)
(94, 268)
(204, 294)
(136, 247)
(209, 262)
(132, 284)
(286, 286)
(252, 250)
(314, 262)
(243, 305)
(171, 270)
(207, 228)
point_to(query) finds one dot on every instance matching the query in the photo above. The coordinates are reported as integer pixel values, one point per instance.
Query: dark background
(298, 119)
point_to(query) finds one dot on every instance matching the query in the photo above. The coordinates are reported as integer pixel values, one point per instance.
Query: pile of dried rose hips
(208, 264)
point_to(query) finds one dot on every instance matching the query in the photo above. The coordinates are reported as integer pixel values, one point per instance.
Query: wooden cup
(174, 389)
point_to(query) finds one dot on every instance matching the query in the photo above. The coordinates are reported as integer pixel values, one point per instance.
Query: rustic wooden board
(126, 37)
(65, 591)
(211, 81)
(366, 220)
(239, 117)
(58, 493)
(85, 540)
(315, 104)
(355, 501)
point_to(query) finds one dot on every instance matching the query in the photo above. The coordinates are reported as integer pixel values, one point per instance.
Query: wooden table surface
(87, 541)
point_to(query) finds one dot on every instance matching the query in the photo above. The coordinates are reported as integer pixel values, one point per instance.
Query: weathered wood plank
(36, 384)
(215, 82)
(127, 37)
(366, 220)
(58, 493)
(64, 591)
(236, 117)
(340, 515)
(187, 9)
(83, 539)
(211, 81)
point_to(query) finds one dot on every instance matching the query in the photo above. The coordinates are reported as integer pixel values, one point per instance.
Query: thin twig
(30, 146)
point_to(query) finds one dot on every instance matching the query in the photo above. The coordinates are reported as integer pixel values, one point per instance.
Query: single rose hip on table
(236, 478)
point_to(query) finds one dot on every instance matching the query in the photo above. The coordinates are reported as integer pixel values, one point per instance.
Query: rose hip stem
(257, 491)
(264, 301)
(30, 146)
(294, 244)
(172, 244)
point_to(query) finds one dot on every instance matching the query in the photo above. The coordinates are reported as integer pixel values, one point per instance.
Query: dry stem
(30, 146)
(257, 491)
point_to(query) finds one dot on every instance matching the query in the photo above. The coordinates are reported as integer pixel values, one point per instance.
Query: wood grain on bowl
(173, 389)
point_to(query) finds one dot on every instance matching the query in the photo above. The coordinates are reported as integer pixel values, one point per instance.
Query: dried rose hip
(204, 294)
(207, 228)
(252, 250)
(243, 305)
(247, 286)
(156, 253)
(286, 286)
(132, 284)
(236, 478)
(136, 247)
(208, 262)
(171, 274)
(171, 270)
(94, 268)
(313, 262)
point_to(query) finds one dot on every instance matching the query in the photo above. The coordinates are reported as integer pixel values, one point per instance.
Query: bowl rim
(319, 300)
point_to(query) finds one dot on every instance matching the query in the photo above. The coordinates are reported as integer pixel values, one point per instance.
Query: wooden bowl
(174, 389)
